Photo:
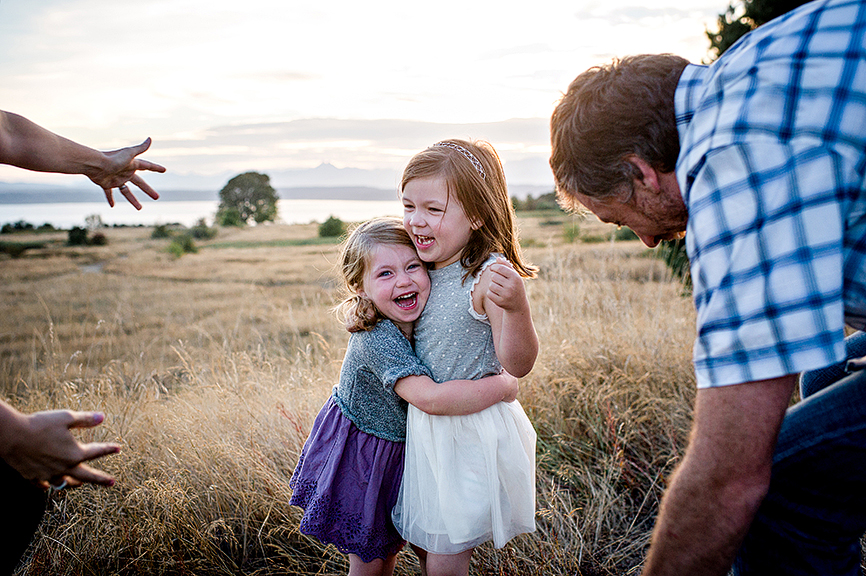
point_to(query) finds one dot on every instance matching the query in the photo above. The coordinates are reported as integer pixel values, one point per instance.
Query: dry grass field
(211, 367)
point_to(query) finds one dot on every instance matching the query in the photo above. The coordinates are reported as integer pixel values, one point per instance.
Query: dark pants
(812, 519)
(21, 511)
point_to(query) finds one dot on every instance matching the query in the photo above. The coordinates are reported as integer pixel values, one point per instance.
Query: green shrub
(201, 231)
(625, 233)
(161, 231)
(673, 252)
(332, 227)
(594, 239)
(99, 239)
(230, 217)
(571, 232)
(182, 244)
(77, 236)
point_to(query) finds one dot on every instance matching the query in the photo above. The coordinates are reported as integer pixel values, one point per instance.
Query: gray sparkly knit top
(375, 359)
(451, 339)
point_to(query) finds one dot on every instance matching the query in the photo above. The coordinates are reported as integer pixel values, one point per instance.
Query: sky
(284, 86)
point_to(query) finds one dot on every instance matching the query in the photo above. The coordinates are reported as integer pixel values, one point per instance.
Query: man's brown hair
(608, 113)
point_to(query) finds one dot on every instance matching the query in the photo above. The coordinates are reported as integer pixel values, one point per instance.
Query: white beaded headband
(466, 154)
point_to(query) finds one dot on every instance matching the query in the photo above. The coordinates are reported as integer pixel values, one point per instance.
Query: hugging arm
(29, 146)
(456, 397)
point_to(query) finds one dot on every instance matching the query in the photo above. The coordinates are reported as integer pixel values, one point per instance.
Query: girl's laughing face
(397, 283)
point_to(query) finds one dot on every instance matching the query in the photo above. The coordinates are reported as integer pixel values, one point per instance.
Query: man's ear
(649, 176)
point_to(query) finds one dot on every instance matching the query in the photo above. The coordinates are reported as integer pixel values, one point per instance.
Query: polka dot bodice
(451, 339)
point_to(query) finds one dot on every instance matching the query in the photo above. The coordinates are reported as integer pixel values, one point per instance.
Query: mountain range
(323, 182)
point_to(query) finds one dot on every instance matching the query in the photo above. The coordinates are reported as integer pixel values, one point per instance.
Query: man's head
(615, 126)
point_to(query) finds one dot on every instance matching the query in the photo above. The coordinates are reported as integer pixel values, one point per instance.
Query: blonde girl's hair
(356, 312)
(474, 176)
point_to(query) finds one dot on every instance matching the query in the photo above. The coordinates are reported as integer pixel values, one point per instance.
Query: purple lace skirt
(347, 481)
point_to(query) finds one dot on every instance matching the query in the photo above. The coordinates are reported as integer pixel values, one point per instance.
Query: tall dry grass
(211, 368)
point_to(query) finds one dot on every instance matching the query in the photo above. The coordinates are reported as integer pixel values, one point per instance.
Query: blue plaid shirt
(773, 153)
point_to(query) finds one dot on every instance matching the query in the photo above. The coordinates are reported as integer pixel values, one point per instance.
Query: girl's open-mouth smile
(407, 301)
(423, 241)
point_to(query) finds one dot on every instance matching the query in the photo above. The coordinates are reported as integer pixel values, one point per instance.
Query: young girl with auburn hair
(468, 478)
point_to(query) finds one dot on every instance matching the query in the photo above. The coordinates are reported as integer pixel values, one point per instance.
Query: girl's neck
(446, 263)
(405, 328)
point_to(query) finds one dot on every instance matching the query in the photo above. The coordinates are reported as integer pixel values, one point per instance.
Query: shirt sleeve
(765, 241)
(392, 357)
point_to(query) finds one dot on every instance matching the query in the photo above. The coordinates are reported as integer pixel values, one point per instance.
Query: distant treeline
(543, 202)
(23, 226)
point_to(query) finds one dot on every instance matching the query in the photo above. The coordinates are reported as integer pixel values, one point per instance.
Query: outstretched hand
(122, 167)
(43, 450)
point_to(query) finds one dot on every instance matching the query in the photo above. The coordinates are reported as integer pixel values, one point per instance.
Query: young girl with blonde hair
(349, 471)
(468, 478)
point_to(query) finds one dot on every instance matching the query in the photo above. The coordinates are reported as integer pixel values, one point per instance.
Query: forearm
(455, 397)
(10, 423)
(517, 347)
(29, 146)
(701, 524)
(722, 479)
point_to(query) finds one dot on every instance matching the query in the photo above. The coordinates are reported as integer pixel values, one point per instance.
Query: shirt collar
(687, 95)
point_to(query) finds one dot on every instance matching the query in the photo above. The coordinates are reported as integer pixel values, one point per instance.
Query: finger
(84, 473)
(85, 419)
(124, 189)
(96, 450)
(145, 164)
(109, 196)
(141, 148)
(72, 482)
(144, 186)
(503, 270)
(149, 166)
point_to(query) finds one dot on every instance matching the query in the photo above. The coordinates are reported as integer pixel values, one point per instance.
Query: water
(68, 214)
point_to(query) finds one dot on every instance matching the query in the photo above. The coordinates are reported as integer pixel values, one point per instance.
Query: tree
(744, 16)
(252, 195)
(332, 227)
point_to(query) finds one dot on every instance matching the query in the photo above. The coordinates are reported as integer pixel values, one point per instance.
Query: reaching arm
(456, 397)
(29, 146)
(722, 479)
(41, 447)
(503, 298)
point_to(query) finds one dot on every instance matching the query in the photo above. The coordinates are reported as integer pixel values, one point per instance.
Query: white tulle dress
(466, 479)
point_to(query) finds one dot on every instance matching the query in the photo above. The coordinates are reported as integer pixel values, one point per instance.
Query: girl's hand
(510, 387)
(506, 305)
(506, 288)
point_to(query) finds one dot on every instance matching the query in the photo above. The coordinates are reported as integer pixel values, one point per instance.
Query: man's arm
(41, 447)
(29, 146)
(722, 480)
